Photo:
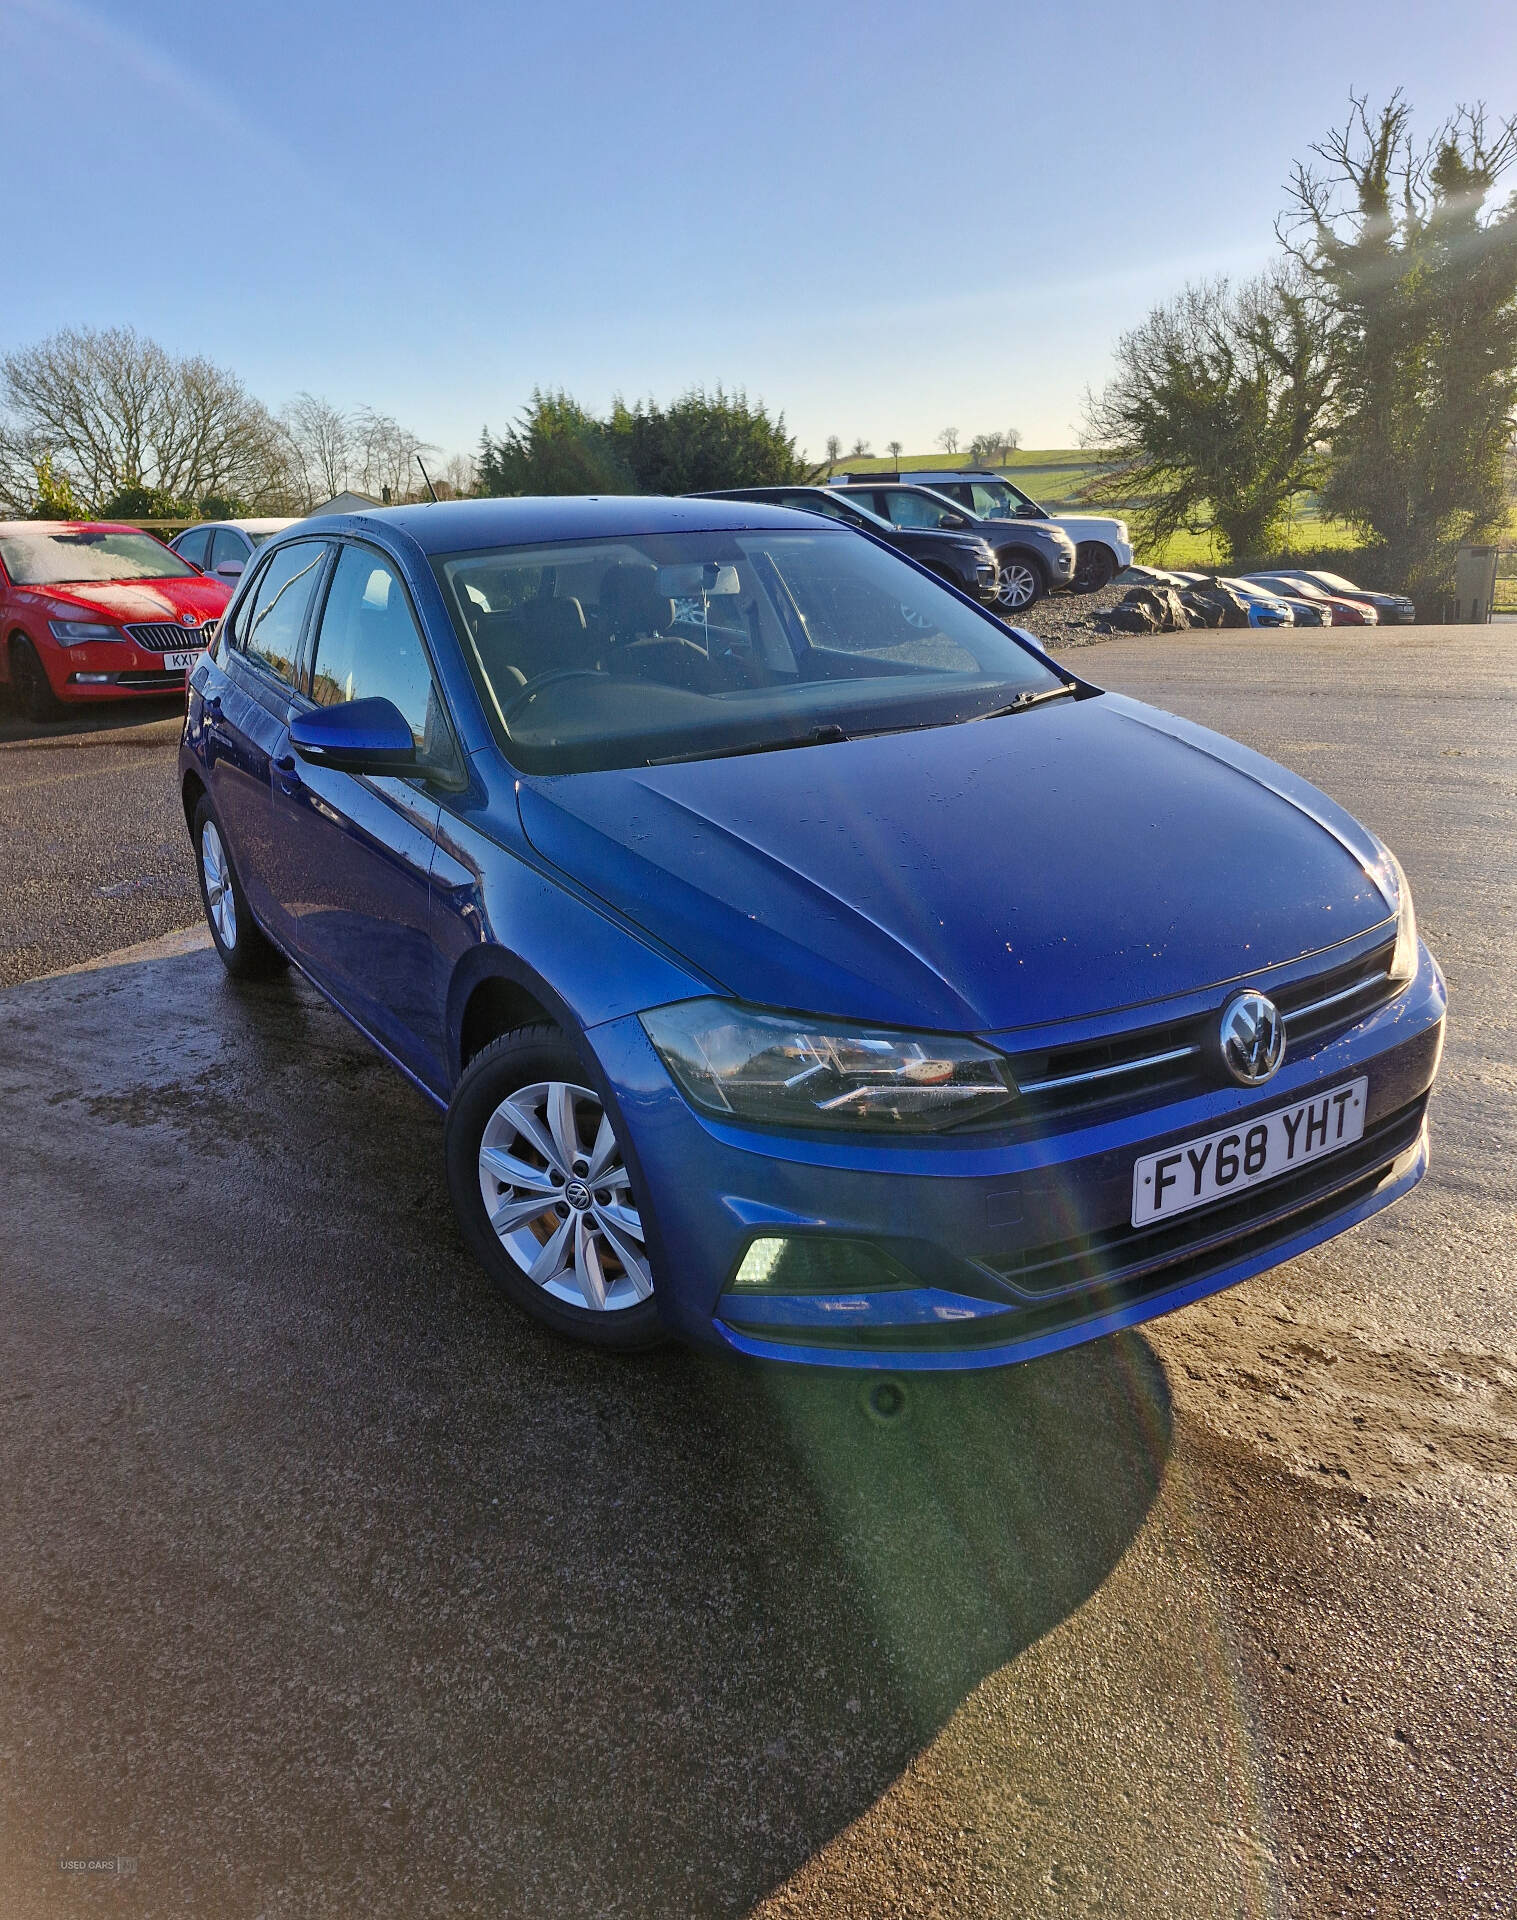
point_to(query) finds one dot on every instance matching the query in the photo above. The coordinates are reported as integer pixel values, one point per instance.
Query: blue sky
(882, 216)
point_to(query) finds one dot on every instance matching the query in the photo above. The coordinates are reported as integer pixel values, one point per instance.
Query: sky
(882, 217)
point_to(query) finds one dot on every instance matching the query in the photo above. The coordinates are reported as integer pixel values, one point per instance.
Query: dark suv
(964, 560)
(1034, 557)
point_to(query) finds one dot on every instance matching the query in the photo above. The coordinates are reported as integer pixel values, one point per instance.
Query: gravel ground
(1069, 619)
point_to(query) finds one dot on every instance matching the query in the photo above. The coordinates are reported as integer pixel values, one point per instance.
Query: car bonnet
(1079, 857)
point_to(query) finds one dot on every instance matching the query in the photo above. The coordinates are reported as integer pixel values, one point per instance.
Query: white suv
(1102, 547)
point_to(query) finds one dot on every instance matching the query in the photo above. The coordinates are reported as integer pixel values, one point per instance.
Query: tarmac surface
(328, 1586)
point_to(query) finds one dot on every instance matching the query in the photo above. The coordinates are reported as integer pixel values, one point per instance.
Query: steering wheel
(534, 687)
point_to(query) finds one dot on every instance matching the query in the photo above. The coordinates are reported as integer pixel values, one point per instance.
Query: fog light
(92, 679)
(817, 1263)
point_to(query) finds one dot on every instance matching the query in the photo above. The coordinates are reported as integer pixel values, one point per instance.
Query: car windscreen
(629, 651)
(1335, 583)
(76, 554)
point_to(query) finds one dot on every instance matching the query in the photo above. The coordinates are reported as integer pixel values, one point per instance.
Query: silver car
(224, 547)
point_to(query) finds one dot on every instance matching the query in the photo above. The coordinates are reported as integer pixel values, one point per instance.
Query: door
(248, 712)
(353, 853)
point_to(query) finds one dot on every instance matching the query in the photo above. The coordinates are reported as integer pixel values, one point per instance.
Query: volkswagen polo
(804, 963)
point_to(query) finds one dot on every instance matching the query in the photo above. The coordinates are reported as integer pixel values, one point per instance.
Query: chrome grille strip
(1335, 999)
(1106, 1073)
(163, 636)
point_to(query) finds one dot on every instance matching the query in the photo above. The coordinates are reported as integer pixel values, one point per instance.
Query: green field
(1056, 477)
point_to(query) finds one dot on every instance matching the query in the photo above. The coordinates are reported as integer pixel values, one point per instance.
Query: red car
(1340, 612)
(90, 611)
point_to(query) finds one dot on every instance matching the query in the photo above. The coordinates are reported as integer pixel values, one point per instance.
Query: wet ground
(329, 1587)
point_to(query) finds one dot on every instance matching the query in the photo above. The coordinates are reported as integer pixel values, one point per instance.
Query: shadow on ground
(96, 717)
(329, 1585)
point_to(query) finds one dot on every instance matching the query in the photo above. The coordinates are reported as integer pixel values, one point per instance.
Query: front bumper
(109, 670)
(1010, 1248)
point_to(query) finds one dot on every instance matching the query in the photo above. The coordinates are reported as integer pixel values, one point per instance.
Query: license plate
(1222, 1163)
(180, 662)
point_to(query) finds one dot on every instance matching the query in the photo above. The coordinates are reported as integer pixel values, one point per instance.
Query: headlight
(1404, 959)
(75, 633)
(793, 1071)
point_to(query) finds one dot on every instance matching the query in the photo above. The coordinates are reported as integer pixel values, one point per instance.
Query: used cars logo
(1253, 1039)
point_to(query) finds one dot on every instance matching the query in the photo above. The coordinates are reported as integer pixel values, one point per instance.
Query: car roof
(458, 526)
(69, 526)
(274, 524)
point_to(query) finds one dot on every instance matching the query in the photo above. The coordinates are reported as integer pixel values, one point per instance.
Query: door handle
(285, 763)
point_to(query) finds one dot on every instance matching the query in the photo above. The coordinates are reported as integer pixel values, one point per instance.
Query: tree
(861, 449)
(834, 449)
(948, 440)
(705, 440)
(893, 448)
(1216, 412)
(111, 411)
(554, 447)
(321, 440)
(1421, 284)
(701, 440)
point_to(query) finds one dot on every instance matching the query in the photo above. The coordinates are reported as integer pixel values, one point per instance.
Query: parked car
(1037, 558)
(1338, 611)
(1265, 609)
(962, 559)
(93, 611)
(1392, 609)
(1103, 546)
(795, 977)
(224, 547)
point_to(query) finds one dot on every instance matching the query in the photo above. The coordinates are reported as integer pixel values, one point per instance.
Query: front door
(353, 853)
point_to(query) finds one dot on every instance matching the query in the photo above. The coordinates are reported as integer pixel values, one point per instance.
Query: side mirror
(231, 569)
(356, 736)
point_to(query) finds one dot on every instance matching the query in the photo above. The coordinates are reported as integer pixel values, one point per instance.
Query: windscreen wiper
(817, 737)
(1025, 700)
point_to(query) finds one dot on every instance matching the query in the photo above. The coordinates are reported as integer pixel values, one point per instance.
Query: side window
(819, 503)
(269, 630)
(191, 546)
(369, 647)
(229, 548)
(915, 510)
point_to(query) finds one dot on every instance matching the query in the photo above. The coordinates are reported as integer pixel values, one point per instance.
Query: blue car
(806, 964)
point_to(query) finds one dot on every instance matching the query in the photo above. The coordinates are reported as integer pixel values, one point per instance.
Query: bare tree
(893, 448)
(322, 443)
(459, 476)
(861, 449)
(948, 439)
(112, 412)
(834, 449)
(387, 455)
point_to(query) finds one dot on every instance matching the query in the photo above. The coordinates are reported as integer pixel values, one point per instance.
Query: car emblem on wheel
(1253, 1039)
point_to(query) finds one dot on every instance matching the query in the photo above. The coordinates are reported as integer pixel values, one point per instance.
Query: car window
(227, 548)
(269, 630)
(192, 546)
(369, 646)
(615, 652)
(821, 503)
(916, 510)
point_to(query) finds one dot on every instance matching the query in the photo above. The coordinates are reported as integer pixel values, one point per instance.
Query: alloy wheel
(558, 1196)
(1019, 584)
(217, 872)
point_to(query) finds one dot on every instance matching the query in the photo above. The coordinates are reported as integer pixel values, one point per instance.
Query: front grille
(1076, 1083)
(1060, 1267)
(165, 636)
(1068, 1283)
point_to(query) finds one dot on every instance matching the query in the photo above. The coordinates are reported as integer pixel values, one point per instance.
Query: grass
(1056, 477)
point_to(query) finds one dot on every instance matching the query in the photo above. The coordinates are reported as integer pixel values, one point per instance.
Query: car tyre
(30, 684)
(1095, 566)
(1022, 583)
(246, 951)
(543, 1194)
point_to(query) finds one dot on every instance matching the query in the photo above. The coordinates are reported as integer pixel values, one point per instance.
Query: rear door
(249, 707)
(353, 853)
